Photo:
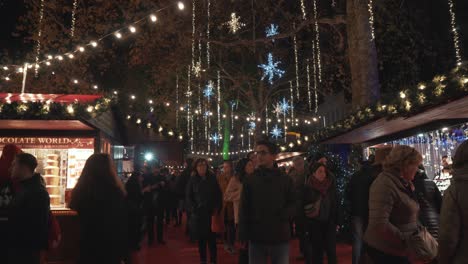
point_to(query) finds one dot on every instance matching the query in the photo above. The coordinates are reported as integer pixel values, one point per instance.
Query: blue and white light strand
(272, 31)
(276, 132)
(208, 92)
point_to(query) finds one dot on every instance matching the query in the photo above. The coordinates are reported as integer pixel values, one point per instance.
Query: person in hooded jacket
(453, 232)
(430, 201)
(6, 190)
(29, 212)
(320, 204)
(204, 199)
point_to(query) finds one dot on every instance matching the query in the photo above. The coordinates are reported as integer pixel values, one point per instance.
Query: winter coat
(359, 188)
(228, 207)
(328, 206)
(268, 202)
(204, 199)
(233, 195)
(157, 198)
(181, 184)
(430, 203)
(453, 232)
(393, 213)
(103, 228)
(28, 217)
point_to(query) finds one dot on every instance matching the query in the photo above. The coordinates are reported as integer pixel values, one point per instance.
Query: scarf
(320, 186)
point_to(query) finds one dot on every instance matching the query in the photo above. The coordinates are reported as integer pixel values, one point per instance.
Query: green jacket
(453, 232)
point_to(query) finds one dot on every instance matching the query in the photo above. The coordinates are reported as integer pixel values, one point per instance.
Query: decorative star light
(234, 24)
(271, 31)
(251, 116)
(284, 106)
(252, 126)
(233, 103)
(276, 132)
(197, 69)
(271, 69)
(207, 113)
(215, 138)
(208, 92)
(277, 109)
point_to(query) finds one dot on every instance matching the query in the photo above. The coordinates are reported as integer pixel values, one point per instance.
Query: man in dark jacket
(268, 202)
(358, 195)
(29, 213)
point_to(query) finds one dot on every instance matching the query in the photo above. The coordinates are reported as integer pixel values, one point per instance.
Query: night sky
(10, 11)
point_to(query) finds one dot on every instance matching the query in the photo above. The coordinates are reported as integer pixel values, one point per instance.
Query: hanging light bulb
(95, 87)
(81, 49)
(7, 78)
(138, 121)
(20, 70)
(47, 63)
(29, 65)
(71, 56)
(118, 35)
(5, 68)
(59, 57)
(132, 29)
(115, 92)
(181, 5)
(150, 101)
(94, 44)
(50, 57)
(75, 81)
(133, 97)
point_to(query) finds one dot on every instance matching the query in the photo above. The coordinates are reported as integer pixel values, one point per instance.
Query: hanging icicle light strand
(218, 106)
(208, 35)
(73, 22)
(309, 94)
(456, 39)
(193, 33)
(39, 34)
(292, 98)
(296, 61)
(303, 9)
(370, 7)
(317, 43)
(177, 101)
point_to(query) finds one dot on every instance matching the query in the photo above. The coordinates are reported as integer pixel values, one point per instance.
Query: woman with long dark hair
(99, 199)
(319, 203)
(244, 169)
(204, 199)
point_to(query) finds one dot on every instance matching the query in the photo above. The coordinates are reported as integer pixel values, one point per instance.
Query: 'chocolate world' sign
(48, 142)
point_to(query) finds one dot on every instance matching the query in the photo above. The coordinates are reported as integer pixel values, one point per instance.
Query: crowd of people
(252, 206)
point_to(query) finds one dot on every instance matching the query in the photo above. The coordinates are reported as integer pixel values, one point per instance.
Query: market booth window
(60, 162)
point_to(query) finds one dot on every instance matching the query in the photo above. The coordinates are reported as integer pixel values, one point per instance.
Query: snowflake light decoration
(276, 132)
(252, 126)
(271, 31)
(233, 103)
(197, 69)
(251, 116)
(208, 92)
(277, 109)
(284, 106)
(215, 138)
(208, 113)
(234, 24)
(271, 69)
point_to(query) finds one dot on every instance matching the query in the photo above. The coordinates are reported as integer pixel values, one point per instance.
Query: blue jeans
(259, 253)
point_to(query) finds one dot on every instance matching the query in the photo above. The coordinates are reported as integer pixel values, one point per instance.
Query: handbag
(217, 223)
(422, 245)
(312, 210)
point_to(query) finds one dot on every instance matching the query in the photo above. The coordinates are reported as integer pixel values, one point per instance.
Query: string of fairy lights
(49, 59)
(456, 40)
(370, 8)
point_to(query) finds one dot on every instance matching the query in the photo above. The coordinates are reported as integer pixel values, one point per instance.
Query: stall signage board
(48, 142)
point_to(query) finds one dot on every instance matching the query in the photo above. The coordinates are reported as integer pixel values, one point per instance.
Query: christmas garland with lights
(43, 110)
(441, 90)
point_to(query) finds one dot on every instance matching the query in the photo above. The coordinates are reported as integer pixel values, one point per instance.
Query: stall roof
(288, 155)
(59, 98)
(382, 127)
(44, 125)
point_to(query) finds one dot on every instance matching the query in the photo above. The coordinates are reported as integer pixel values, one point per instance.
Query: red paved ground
(179, 251)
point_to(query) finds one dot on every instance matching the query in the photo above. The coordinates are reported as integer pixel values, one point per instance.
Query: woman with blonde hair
(99, 199)
(393, 208)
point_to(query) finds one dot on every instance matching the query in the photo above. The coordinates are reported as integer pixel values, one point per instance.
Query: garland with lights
(442, 89)
(53, 111)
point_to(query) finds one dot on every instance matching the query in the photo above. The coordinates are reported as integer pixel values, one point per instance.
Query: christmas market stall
(62, 131)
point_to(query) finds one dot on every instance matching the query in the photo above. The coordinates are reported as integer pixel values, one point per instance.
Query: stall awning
(456, 110)
(58, 98)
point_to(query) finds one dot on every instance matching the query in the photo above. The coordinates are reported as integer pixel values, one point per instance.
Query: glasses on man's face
(262, 153)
